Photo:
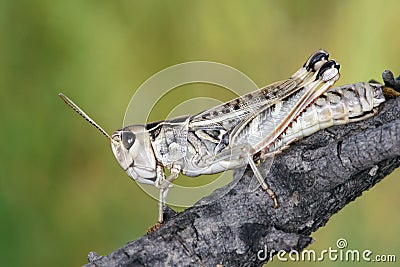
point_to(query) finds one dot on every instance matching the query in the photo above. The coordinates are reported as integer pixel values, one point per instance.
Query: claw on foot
(272, 195)
(154, 228)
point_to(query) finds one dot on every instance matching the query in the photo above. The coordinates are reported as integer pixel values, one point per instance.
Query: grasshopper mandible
(228, 136)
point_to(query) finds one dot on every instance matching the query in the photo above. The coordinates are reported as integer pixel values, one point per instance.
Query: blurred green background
(62, 194)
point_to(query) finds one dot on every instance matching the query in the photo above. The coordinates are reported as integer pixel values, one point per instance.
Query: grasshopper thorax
(132, 149)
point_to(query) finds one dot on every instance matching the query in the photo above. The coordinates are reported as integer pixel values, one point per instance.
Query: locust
(241, 132)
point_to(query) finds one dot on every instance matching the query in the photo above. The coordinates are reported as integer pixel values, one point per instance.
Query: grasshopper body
(234, 134)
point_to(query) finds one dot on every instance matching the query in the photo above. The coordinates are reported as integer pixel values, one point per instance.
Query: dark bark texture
(313, 179)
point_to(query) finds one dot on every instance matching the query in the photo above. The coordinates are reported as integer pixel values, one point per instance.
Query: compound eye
(128, 138)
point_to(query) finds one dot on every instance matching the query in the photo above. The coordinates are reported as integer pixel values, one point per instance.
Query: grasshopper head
(131, 146)
(132, 149)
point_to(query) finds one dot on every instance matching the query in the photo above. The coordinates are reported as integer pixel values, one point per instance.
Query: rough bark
(313, 179)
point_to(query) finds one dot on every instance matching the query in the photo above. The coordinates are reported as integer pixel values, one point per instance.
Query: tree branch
(313, 179)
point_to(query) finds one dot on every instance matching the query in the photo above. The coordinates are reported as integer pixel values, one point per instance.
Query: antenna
(83, 114)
